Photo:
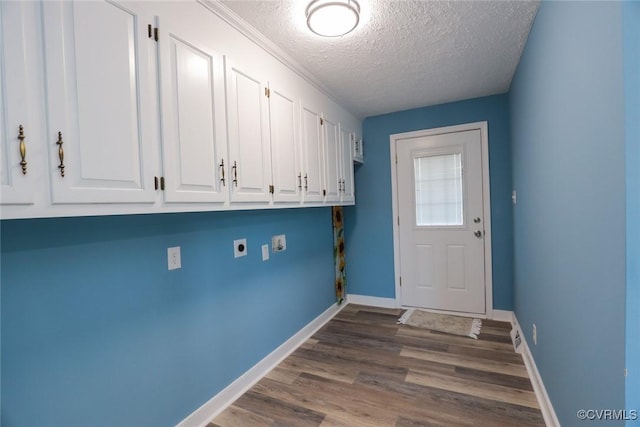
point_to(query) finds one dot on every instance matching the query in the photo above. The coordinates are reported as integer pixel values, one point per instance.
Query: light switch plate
(173, 258)
(265, 252)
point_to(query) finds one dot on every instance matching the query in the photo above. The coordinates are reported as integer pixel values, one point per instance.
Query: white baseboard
(503, 315)
(218, 403)
(203, 415)
(372, 301)
(548, 413)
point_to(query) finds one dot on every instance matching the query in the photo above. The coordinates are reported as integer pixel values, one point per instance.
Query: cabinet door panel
(98, 94)
(312, 152)
(332, 160)
(16, 187)
(194, 146)
(249, 146)
(283, 118)
(346, 157)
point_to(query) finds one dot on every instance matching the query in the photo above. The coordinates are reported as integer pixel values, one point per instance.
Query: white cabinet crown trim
(258, 38)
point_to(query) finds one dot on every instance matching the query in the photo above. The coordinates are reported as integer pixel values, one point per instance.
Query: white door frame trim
(484, 134)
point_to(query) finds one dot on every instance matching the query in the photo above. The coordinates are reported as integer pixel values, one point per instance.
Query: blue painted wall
(97, 332)
(568, 143)
(631, 16)
(369, 224)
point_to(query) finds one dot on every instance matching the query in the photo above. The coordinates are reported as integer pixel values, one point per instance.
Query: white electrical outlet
(239, 248)
(279, 243)
(535, 335)
(173, 258)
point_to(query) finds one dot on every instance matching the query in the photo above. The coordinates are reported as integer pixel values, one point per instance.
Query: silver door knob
(478, 233)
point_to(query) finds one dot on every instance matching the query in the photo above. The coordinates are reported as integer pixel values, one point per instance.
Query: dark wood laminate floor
(362, 369)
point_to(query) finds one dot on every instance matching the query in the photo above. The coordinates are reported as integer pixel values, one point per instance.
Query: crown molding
(233, 19)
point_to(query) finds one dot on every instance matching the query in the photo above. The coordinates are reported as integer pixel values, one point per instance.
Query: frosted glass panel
(438, 182)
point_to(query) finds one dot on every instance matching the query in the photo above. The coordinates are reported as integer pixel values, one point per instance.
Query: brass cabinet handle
(300, 181)
(23, 150)
(222, 172)
(235, 173)
(306, 182)
(60, 154)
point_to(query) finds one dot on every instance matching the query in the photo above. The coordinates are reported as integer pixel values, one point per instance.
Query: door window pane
(438, 183)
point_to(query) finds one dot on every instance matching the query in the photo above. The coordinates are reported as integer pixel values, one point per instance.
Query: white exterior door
(249, 144)
(100, 101)
(194, 147)
(441, 221)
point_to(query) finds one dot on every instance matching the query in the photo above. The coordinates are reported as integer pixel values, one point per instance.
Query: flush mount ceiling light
(333, 18)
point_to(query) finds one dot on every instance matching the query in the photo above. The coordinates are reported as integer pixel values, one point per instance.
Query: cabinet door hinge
(156, 183)
(324, 192)
(401, 281)
(321, 121)
(162, 183)
(267, 92)
(272, 189)
(398, 219)
(153, 32)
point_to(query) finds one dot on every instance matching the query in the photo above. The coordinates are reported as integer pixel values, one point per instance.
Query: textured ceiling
(404, 54)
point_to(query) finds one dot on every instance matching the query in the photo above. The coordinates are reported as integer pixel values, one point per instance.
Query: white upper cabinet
(312, 154)
(249, 145)
(100, 104)
(17, 149)
(284, 113)
(346, 181)
(332, 155)
(194, 148)
(127, 107)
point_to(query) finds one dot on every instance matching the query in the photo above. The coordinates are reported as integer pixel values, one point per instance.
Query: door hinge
(153, 32)
(321, 121)
(272, 189)
(267, 92)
